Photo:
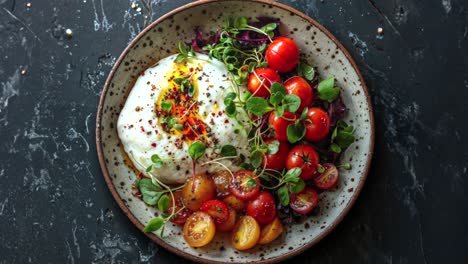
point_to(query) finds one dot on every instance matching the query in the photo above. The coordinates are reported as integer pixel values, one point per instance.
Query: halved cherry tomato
(276, 161)
(245, 234)
(300, 87)
(280, 124)
(305, 201)
(197, 191)
(221, 179)
(304, 157)
(181, 215)
(262, 207)
(328, 178)
(234, 202)
(318, 124)
(261, 80)
(282, 54)
(271, 232)
(199, 229)
(244, 185)
(216, 209)
(229, 224)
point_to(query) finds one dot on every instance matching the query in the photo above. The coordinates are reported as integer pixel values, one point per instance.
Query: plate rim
(160, 241)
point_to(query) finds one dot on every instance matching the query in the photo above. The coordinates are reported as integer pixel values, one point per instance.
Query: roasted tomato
(198, 190)
(229, 224)
(234, 202)
(317, 124)
(262, 207)
(305, 201)
(199, 229)
(282, 54)
(276, 161)
(300, 87)
(218, 210)
(181, 215)
(328, 178)
(222, 179)
(244, 185)
(271, 232)
(260, 81)
(304, 157)
(245, 233)
(280, 124)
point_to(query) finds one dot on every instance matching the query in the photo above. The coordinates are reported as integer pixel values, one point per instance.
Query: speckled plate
(320, 48)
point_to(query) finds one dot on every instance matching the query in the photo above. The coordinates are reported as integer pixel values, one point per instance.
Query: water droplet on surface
(380, 33)
(28, 4)
(23, 72)
(68, 33)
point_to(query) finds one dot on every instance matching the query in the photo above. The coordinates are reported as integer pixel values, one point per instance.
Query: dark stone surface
(56, 208)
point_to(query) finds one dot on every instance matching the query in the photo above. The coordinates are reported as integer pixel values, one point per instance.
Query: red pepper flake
(220, 113)
(150, 122)
(153, 145)
(156, 132)
(226, 121)
(140, 120)
(142, 129)
(142, 74)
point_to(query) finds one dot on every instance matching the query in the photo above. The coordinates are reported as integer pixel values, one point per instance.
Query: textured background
(56, 208)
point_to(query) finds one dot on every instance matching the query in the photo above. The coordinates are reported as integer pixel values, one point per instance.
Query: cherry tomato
(328, 178)
(280, 124)
(197, 191)
(234, 202)
(304, 157)
(245, 234)
(182, 215)
(318, 124)
(260, 81)
(244, 185)
(276, 161)
(218, 210)
(282, 54)
(271, 232)
(262, 208)
(221, 179)
(229, 224)
(300, 87)
(199, 229)
(305, 201)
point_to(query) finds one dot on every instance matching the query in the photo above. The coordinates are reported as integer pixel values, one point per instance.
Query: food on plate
(236, 133)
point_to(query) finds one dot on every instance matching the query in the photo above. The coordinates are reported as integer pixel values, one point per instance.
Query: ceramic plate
(321, 49)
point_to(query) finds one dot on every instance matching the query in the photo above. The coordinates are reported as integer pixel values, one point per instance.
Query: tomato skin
(305, 201)
(305, 157)
(319, 126)
(245, 234)
(221, 179)
(282, 54)
(197, 191)
(270, 232)
(218, 210)
(327, 179)
(262, 208)
(234, 202)
(299, 86)
(199, 229)
(276, 161)
(280, 124)
(181, 217)
(229, 224)
(266, 75)
(239, 185)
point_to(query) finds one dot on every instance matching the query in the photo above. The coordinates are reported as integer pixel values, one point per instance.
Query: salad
(293, 121)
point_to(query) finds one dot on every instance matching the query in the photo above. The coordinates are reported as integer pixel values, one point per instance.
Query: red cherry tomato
(305, 201)
(282, 54)
(300, 87)
(328, 178)
(261, 80)
(304, 157)
(276, 161)
(280, 124)
(216, 209)
(318, 126)
(180, 216)
(244, 185)
(262, 208)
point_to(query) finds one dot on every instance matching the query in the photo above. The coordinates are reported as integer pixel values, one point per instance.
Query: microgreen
(327, 90)
(256, 158)
(258, 106)
(296, 132)
(297, 187)
(228, 151)
(306, 71)
(342, 137)
(283, 195)
(170, 121)
(273, 147)
(185, 52)
(186, 84)
(166, 105)
(197, 150)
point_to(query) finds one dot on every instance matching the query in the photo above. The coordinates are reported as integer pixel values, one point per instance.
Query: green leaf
(296, 132)
(179, 80)
(279, 111)
(154, 225)
(191, 89)
(320, 169)
(149, 191)
(283, 195)
(166, 105)
(256, 158)
(245, 96)
(197, 150)
(240, 22)
(273, 147)
(264, 177)
(251, 182)
(277, 87)
(228, 151)
(179, 58)
(292, 175)
(291, 102)
(150, 168)
(306, 71)
(231, 109)
(247, 166)
(304, 113)
(157, 161)
(229, 98)
(297, 187)
(183, 48)
(268, 27)
(163, 203)
(344, 139)
(327, 90)
(258, 106)
(179, 127)
(346, 166)
(335, 148)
